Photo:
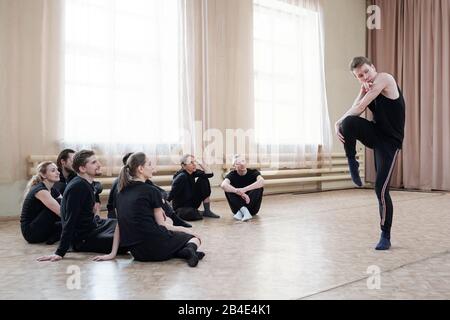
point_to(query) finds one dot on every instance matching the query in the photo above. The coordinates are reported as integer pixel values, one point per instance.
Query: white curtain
(291, 115)
(128, 77)
(30, 78)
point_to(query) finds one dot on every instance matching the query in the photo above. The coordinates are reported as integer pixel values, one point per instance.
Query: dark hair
(129, 169)
(81, 158)
(63, 155)
(125, 157)
(358, 62)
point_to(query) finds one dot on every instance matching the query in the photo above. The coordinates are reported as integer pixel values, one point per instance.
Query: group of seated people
(62, 203)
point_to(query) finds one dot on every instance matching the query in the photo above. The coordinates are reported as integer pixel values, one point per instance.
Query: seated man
(244, 189)
(81, 230)
(66, 172)
(186, 192)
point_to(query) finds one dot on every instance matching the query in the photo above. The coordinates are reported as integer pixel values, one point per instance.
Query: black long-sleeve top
(77, 213)
(63, 182)
(182, 192)
(111, 205)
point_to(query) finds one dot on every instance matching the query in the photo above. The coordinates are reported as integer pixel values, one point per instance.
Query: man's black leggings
(202, 190)
(356, 128)
(236, 202)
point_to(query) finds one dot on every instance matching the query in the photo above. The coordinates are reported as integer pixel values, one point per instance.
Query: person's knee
(348, 124)
(259, 192)
(203, 181)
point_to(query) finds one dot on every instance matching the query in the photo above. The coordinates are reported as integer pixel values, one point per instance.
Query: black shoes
(353, 165)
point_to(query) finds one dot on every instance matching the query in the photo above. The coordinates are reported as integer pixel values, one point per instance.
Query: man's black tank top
(389, 118)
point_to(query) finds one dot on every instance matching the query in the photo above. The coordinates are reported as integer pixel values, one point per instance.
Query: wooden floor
(310, 246)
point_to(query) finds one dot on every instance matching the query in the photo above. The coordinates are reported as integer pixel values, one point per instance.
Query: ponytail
(124, 178)
(129, 169)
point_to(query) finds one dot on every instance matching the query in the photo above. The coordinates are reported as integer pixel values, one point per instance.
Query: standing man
(381, 94)
(243, 189)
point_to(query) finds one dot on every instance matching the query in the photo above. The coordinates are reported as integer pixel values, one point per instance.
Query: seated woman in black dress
(143, 227)
(40, 219)
(170, 213)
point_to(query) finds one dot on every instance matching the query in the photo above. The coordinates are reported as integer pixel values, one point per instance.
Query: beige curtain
(414, 45)
(29, 83)
(229, 60)
(231, 78)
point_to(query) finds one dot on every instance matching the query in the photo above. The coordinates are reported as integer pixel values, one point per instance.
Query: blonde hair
(41, 169)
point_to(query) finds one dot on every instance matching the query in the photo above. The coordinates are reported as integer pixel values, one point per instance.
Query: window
(290, 103)
(121, 71)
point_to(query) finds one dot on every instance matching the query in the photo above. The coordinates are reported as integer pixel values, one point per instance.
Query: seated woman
(170, 213)
(40, 219)
(191, 187)
(243, 189)
(143, 227)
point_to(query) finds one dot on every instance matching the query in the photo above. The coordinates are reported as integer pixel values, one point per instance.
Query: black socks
(189, 253)
(385, 241)
(200, 255)
(208, 213)
(354, 171)
(177, 221)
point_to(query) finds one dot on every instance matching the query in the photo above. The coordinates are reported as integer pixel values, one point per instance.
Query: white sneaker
(238, 215)
(247, 215)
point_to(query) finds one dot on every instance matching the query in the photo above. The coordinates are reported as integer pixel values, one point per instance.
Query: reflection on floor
(310, 246)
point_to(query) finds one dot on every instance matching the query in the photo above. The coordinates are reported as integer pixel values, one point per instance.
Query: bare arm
(115, 247)
(227, 187)
(257, 185)
(367, 94)
(382, 82)
(46, 198)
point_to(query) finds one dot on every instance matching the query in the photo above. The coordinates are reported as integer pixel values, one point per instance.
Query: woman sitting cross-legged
(143, 227)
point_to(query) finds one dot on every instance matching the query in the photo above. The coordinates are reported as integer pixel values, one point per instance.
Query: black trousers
(99, 240)
(177, 221)
(202, 190)
(357, 128)
(46, 225)
(236, 202)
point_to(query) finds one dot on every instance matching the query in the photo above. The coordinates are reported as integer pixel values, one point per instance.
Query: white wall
(345, 38)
